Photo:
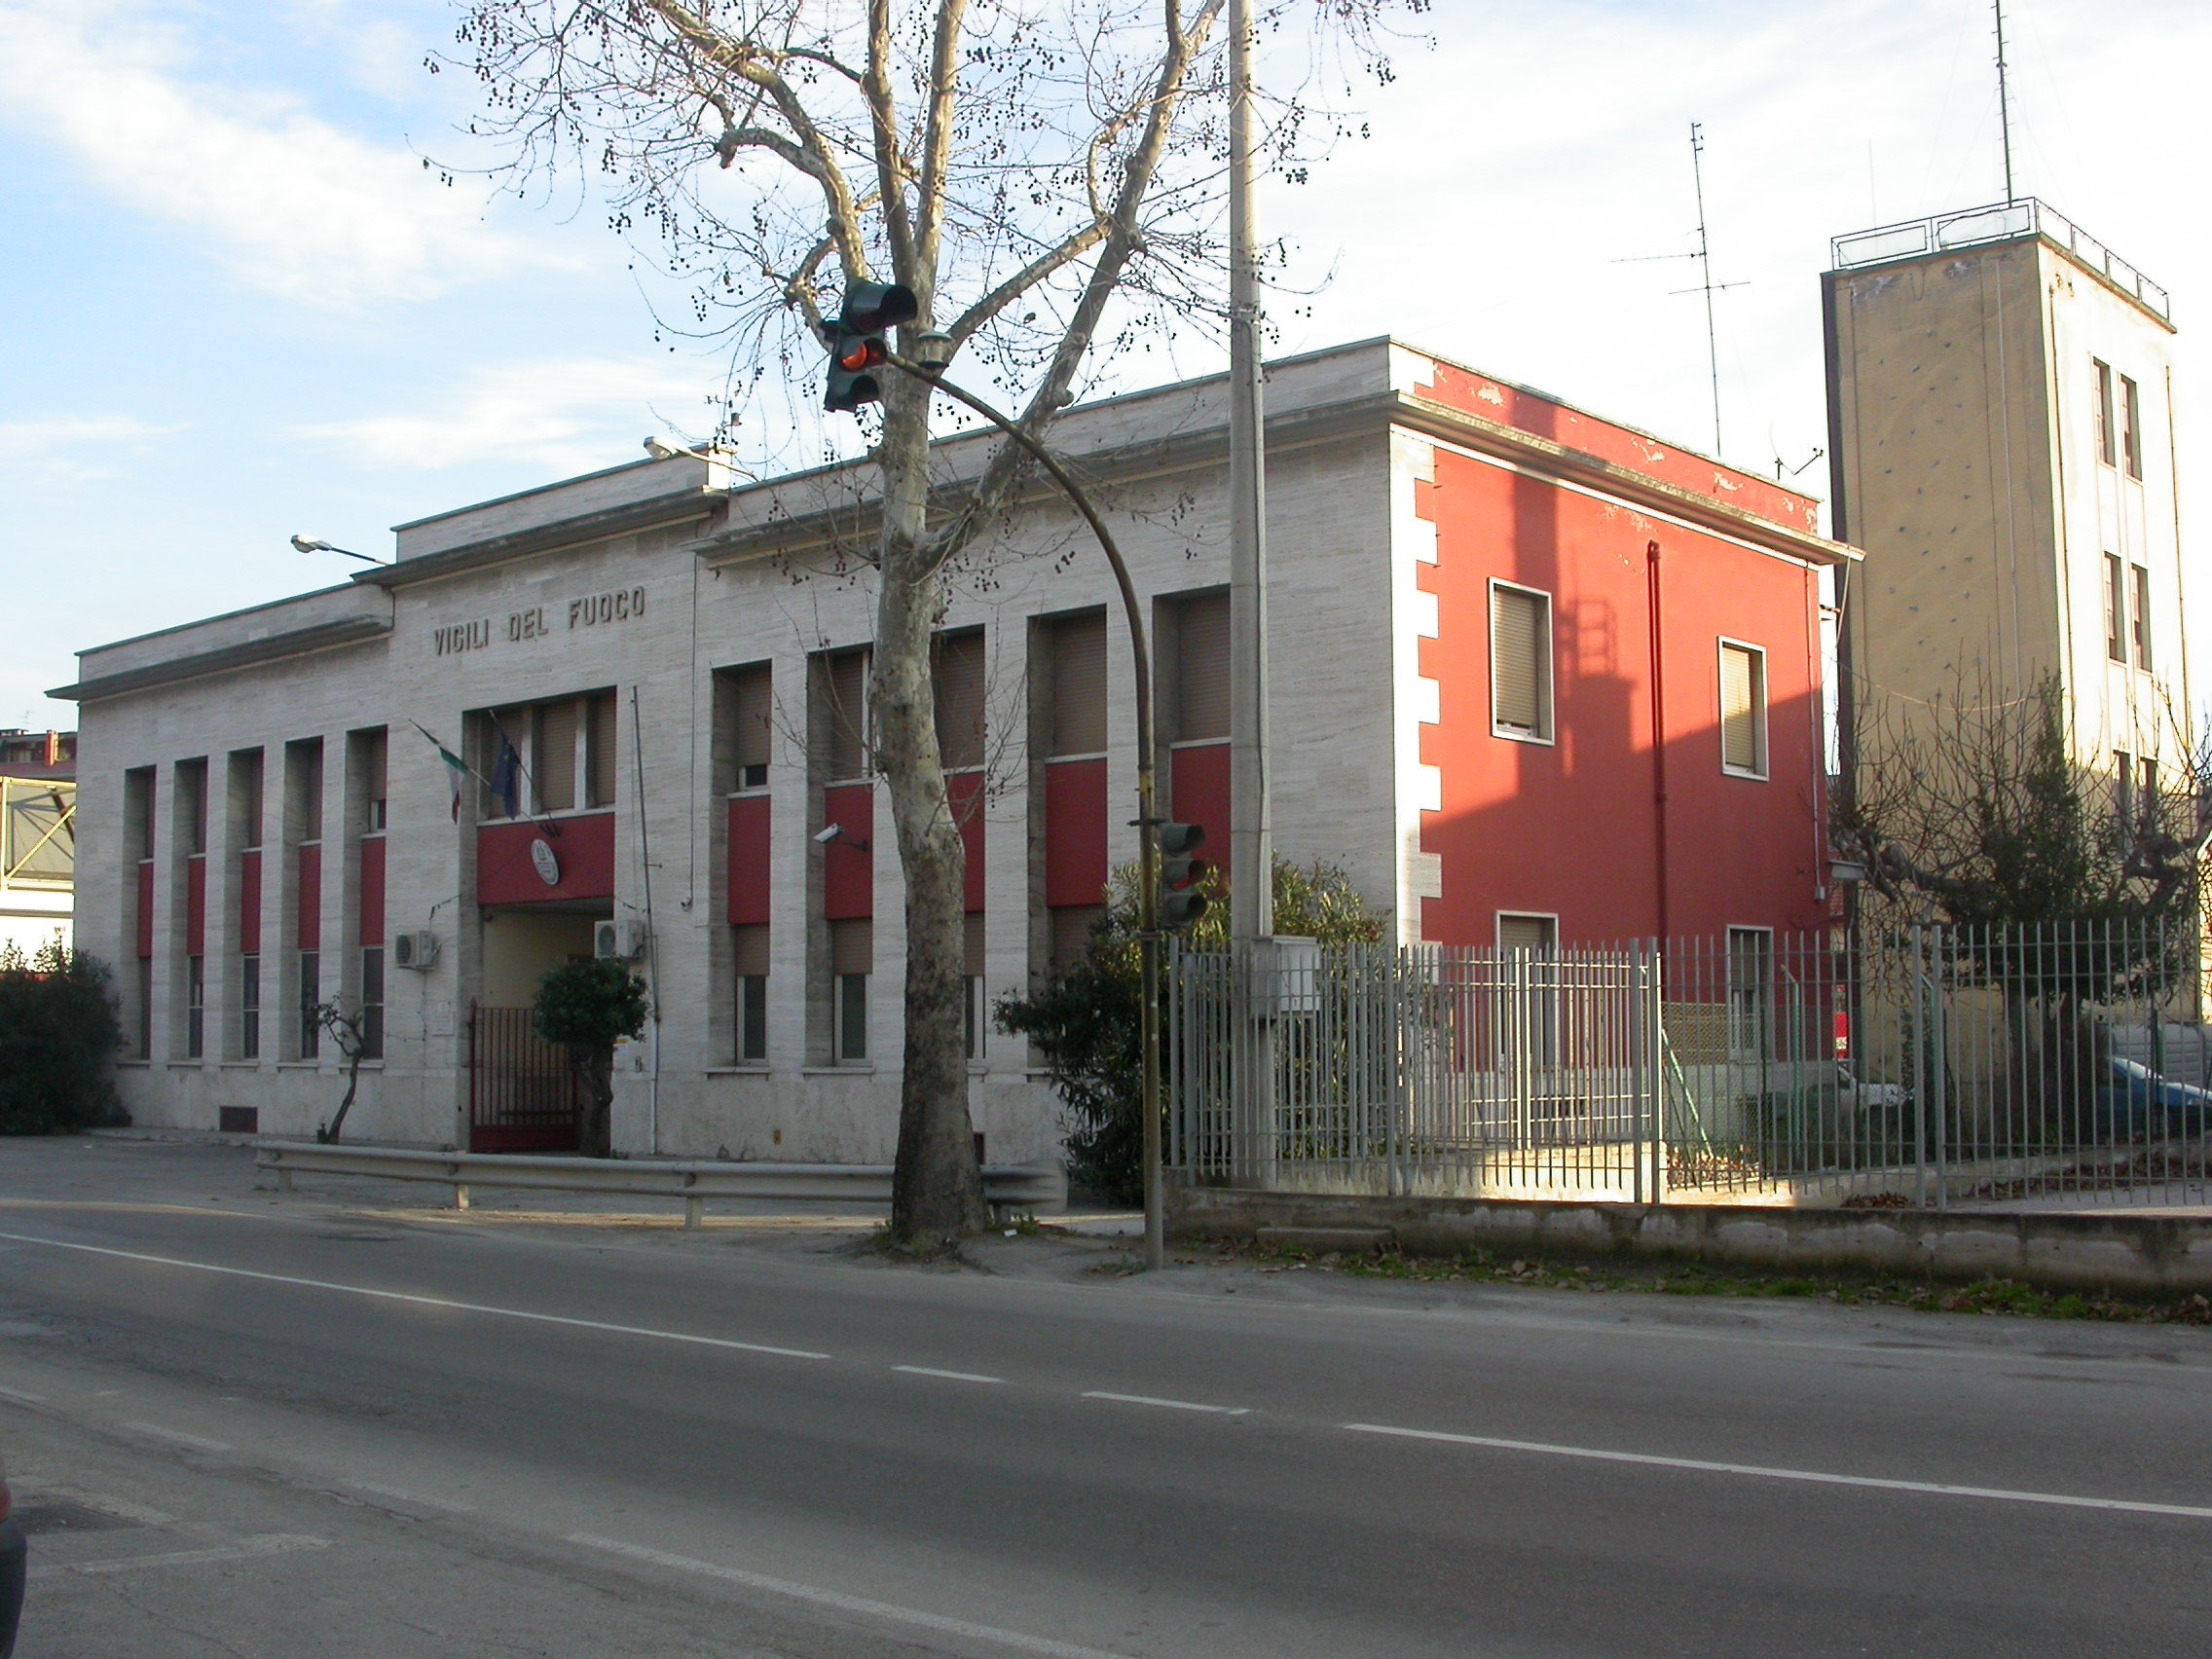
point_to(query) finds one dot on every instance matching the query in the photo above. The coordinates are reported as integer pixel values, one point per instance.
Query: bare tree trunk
(937, 1192)
(352, 1084)
(595, 1072)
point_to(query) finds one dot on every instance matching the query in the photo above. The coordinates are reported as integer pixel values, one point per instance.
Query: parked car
(11, 1552)
(2134, 1100)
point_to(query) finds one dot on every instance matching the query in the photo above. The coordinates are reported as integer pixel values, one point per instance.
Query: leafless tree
(1044, 176)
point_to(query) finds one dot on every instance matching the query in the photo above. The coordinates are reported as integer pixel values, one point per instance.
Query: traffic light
(856, 341)
(1180, 903)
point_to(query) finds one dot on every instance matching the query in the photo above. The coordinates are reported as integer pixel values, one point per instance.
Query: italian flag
(456, 768)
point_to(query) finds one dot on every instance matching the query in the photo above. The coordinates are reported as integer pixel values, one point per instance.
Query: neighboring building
(38, 837)
(1486, 606)
(2001, 416)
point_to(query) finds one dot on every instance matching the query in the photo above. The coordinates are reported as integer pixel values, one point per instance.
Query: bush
(58, 1034)
(588, 1007)
(1087, 1021)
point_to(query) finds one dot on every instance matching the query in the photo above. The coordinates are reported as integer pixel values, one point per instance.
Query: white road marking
(19, 1394)
(948, 1376)
(843, 1602)
(1171, 1405)
(262, 1544)
(199, 1442)
(1815, 1477)
(423, 1300)
(402, 1495)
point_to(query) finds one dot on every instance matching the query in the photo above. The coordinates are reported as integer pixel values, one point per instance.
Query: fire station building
(1536, 678)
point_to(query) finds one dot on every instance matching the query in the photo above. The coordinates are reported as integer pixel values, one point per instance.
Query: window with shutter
(2115, 608)
(2141, 621)
(1536, 934)
(1201, 668)
(1743, 710)
(958, 679)
(1521, 662)
(553, 756)
(600, 749)
(752, 715)
(1079, 684)
(844, 685)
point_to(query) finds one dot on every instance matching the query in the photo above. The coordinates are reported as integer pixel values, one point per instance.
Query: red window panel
(964, 792)
(249, 902)
(848, 864)
(749, 862)
(145, 910)
(311, 898)
(1197, 784)
(372, 891)
(583, 858)
(196, 907)
(1075, 832)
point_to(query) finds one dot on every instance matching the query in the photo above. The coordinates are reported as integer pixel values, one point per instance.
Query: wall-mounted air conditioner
(623, 941)
(418, 950)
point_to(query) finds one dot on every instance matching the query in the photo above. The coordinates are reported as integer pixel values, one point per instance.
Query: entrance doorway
(522, 1094)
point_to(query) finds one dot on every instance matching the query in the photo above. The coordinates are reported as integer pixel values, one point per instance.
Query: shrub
(588, 1007)
(58, 1034)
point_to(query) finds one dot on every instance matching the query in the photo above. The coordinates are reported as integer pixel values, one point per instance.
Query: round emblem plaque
(543, 861)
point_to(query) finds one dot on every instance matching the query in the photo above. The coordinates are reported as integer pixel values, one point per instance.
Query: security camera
(828, 832)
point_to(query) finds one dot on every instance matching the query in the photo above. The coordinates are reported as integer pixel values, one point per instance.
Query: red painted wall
(964, 793)
(584, 849)
(145, 910)
(372, 891)
(848, 874)
(309, 929)
(1075, 832)
(749, 862)
(1571, 829)
(196, 906)
(249, 902)
(1198, 793)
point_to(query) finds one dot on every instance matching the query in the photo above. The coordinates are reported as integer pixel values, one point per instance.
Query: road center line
(401, 1496)
(948, 1376)
(1814, 1477)
(845, 1603)
(1171, 1405)
(19, 1394)
(199, 1442)
(422, 1300)
(262, 1544)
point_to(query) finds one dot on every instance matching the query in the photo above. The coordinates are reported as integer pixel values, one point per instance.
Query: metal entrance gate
(522, 1096)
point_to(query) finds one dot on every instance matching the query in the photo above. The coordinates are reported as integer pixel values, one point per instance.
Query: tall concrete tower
(2001, 440)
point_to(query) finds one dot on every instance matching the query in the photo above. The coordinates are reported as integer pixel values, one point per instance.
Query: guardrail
(1006, 1186)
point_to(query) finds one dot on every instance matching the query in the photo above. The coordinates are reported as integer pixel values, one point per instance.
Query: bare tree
(1044, 176)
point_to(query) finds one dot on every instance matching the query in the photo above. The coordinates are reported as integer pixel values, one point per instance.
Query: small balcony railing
(2001, 221)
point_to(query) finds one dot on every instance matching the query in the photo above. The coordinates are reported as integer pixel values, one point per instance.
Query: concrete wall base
(2112, 1252)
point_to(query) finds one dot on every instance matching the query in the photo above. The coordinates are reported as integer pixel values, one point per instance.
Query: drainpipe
(1658, 731)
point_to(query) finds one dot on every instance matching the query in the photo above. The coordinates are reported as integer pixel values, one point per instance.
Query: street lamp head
(931, 350)
(312, 544)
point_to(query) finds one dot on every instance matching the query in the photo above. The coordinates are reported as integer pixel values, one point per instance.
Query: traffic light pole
(1148, 819)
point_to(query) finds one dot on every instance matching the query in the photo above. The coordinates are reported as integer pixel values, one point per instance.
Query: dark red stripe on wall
(145, 910)
(249, 902)
(749, 862)
(372, 891)
(964, 792)
(310, 930)
(196, 906)
(1075, 832)
(583, 857)
(1197, 788)
(848, 874)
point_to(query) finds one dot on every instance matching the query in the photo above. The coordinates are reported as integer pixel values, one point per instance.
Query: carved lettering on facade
(462, 637)
(618, 605)
(598, 607)
(527, 624)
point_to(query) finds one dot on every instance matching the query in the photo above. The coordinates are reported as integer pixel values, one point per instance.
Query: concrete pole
(1251, 819)
(1252, 814)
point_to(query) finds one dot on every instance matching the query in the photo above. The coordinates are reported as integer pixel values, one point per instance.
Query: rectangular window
(2115, 608)
(972, 948)
(1743, 710)
(303, 790)
(195, 1007)
(2150, 803)
(852, 957)
(1520, 663)
(1071, 934)
(372, 1002)
(311, 999)
(370, 756)
(957, 680)
(844, 687)
(2105, 445)
(2130, 427)
(750, 950)
(752, 715)
(1202, 669)
(192, 805)
(247, 797)
(1539, 936)
(1751, 992)
(1078, 685)
(145, 1007)
(1534, 941)
(2139, 624)
(553, 756)
(601, 746)
(249, 1007)
(2123, 794)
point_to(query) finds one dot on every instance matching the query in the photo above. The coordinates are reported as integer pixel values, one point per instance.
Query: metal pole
(1148, 819)
(1251, 826)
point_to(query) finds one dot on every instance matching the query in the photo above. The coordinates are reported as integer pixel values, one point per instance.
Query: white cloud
(293, 205)
(557, 416)
(74, 449)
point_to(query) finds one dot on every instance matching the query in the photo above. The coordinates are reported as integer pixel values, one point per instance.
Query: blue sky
(236, 305)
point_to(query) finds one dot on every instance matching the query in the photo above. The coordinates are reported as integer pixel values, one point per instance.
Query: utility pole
(1704, 273)
(2003, 105)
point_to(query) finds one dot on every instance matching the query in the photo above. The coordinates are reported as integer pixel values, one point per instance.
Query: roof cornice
(271, 648)
(561, 535)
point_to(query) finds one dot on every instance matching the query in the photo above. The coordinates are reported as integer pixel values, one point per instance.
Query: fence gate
(522, 1096)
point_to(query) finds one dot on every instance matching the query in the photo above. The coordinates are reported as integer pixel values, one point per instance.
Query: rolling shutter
(553, 756)
(1201, 668)
(603, 747)
(845, 683)
(1079, 684)
(1534, 935)
(851, 946)
(957, 678)
(754, 718)
(1521, 669)
(1743, 708)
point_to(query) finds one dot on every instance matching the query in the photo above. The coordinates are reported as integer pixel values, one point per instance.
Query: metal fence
(1926, 1066)
(522, 1094)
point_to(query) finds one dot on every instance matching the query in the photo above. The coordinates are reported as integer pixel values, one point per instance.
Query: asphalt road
(324, 1425)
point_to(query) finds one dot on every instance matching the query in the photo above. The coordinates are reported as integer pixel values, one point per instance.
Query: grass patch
(1677, 1278)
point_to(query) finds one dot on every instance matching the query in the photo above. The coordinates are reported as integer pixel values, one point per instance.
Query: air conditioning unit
(418, 950)
(623, 941)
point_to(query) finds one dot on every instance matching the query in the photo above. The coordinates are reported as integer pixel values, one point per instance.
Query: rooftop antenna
(2003, 105)
(1705, 284)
